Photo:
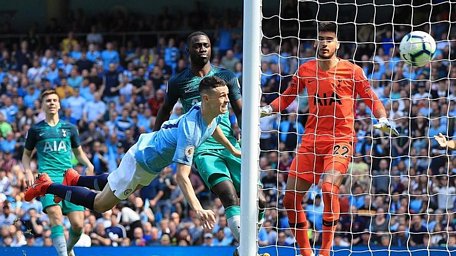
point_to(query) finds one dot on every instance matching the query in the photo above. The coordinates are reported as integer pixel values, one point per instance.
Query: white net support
(399, 193)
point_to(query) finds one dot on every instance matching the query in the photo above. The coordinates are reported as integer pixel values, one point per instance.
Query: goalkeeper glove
(265, 111)
(385, 126)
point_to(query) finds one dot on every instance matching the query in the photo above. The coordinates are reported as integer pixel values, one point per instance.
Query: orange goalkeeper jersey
(332, 99)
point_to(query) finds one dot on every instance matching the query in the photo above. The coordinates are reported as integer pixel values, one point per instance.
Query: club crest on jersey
(189, 151)
(63, 132)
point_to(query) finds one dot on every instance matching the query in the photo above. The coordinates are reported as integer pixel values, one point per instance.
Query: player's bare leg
(227, 193)
(295, 192)
(105, 200)
(330, 190)
(57, 231)
(77, 221)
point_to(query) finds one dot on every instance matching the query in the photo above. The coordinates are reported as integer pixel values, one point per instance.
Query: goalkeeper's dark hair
(211, 82)
(327, 26)
(196, 33)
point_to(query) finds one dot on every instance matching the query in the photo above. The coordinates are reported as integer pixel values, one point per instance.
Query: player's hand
(385, 126)
(29, 178)
(236, 152)
(441, 140)
(265, 111)
(207, 217)
(90, 170)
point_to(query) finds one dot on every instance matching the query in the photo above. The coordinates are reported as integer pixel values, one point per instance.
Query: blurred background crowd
(400, 191)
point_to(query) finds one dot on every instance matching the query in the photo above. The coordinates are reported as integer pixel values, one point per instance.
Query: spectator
(220, 239)
(94, 111)
(291, 131)
(94, 37)
(76, 103)
(138, 237)
(110, 57)
(446, 194)
(208, 240)
(75, 79)
(68, 43)
(5, 127)
(267, 235)
(229, 60)
(417, 231)
(115, 231)
(99, 236)
(111, 84)
(381, 178)
(314, 212)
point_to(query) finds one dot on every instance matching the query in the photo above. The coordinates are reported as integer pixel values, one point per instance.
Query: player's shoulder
(38, 125)
(180, 77)
(67, 125)
(349, 64)
(223, 73)
(192, 113)
(308, 66)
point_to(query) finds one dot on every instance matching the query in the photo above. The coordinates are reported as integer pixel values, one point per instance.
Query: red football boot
(39, 187)
(70, 178)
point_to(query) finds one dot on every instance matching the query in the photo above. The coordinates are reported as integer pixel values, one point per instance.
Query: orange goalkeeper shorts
(314, 159)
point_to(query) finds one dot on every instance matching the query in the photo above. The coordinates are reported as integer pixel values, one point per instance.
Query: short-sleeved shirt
(176, 141)
(185, 87)
(53, 145)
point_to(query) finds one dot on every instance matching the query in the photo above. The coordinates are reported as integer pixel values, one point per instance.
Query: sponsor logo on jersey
(53, 146)
(326, 100)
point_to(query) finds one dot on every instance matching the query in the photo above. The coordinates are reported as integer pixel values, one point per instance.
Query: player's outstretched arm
(385, 126)
(364, 90)
(221, 138)
(443, 142)
(182, 177)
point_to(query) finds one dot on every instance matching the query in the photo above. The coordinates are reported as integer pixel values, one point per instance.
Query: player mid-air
(176, 141)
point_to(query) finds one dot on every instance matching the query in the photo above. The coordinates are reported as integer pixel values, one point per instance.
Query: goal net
(398, 195)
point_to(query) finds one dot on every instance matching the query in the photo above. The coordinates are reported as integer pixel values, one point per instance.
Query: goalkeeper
(333, 85)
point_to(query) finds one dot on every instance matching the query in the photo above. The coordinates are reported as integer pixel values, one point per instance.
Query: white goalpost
(399, 194)
(250, 127)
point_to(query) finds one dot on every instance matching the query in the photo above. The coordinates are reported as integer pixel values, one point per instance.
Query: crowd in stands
(399, 191)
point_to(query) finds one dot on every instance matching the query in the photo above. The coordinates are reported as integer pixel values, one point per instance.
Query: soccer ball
(417, 48)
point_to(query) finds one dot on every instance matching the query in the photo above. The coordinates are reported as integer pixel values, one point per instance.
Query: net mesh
(399, 192)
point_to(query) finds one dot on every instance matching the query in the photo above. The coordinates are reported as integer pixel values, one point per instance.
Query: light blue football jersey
(176, 141)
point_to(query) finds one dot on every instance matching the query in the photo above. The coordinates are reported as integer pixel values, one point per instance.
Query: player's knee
(101, 205)
(328, 187)
(101, 208)
(229, 199)
(77, 227)
(55, 214)
(292, 201)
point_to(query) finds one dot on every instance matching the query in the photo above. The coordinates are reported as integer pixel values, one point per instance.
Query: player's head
(50, 101)
(327, 43)
(214, 93)
(199, 48)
